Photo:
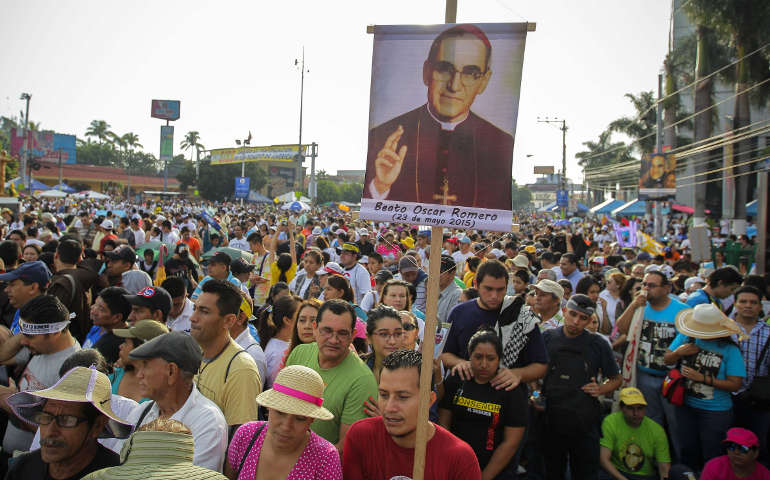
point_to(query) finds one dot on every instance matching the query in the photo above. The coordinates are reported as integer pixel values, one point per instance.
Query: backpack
(569, 410)
(673, 387)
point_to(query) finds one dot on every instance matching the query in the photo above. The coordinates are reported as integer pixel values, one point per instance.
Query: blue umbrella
(561, 223)
(64, 188)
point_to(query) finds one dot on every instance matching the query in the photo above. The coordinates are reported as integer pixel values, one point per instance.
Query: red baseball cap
(741, 436)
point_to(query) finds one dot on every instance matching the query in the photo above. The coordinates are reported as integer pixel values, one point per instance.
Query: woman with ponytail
(275, 333)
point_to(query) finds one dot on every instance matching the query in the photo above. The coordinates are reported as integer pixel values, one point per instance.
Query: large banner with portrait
(657, 180)
(442, 119)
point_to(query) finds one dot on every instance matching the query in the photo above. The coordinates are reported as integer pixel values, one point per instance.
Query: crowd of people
(225, 341)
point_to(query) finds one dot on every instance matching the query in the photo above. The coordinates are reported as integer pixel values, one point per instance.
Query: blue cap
(29, 272)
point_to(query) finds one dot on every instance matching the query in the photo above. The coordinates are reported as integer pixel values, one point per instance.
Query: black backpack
(569, 410)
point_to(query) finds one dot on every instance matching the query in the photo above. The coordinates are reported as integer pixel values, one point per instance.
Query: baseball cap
(383, 276)
(107, 225)
(349, 247)
(144, 330)
(632, 396)
(643, 256)
(453, 240)
(598, 260)
(220, 257)
(173, 347)
(408, 242)
(447, 263)
(29, 272)
(407, 264)
(332, 268)
(317, 231)
(155, 298)
(465, 239)
(240, 265)
(692, 280)
(363, 231)
(123, 252)
(549, 286)
(364, 260)
(741, 436)
(530, 249)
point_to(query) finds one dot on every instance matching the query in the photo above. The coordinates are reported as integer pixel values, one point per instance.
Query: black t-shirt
(30, 465)
(595, 349)
(467, 317)
(109, 346)
(480, 413)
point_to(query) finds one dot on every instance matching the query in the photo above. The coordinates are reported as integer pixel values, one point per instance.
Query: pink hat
(360, 329)
(741, 436)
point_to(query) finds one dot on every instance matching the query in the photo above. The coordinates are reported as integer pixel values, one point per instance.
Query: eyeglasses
(650, 285)
(64, 421)
(385, 335)
(409, 327)
(327, 332)
(445, 71)
(732, 446)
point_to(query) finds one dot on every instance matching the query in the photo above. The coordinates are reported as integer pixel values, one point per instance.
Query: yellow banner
(272, 153)
(649, 244)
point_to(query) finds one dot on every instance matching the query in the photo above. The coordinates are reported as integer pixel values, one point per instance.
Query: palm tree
(642, 126)
(192, 140)
(100, 130)
(599, 157)
(741, 24)
(131, 141)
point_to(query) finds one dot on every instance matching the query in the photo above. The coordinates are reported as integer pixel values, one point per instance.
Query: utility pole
(563, 179)
(25, 157)
(243, 143)
(657, 205)
(311, 186)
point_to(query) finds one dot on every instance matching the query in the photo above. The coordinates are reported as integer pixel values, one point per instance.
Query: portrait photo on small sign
(657, 179)
(442, 121)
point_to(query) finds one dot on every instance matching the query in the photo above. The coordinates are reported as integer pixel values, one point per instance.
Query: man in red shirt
(107, 227)
(383, 447)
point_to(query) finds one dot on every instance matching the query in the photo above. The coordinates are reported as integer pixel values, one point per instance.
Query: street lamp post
(25, 157)
(563, 129)
(242, 144)
(300, 158)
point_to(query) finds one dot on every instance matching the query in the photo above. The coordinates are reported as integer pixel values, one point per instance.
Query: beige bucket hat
(706, 321)
(297, 390)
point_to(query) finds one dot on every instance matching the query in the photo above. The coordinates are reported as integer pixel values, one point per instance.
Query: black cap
(155, 298)
(447, 263)
(220, 257)
(123, 252)
(383, 276)
(173, 347)
(240, 265)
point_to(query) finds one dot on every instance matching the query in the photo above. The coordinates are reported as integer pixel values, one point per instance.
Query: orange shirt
(193, 244)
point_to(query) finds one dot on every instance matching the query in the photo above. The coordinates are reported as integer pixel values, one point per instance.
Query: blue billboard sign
(241, 187)
(562, 198)
(165, 109)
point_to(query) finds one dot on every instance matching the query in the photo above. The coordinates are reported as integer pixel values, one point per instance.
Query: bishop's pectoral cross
(444, 196)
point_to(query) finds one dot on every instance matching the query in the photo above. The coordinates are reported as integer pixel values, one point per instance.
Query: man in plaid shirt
(748, 309)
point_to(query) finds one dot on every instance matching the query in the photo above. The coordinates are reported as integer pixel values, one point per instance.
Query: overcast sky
(231, 63)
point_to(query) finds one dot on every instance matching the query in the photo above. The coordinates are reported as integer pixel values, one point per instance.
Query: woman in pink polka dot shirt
(284, 446)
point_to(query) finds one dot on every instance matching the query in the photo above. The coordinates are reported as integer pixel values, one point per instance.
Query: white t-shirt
(371, 298)
(252, 347)
(274, 351)
(182, 322)
(612, 304)
(240, 244)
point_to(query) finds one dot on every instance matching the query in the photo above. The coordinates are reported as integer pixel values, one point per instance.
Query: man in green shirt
(348, 381)
(632, 444)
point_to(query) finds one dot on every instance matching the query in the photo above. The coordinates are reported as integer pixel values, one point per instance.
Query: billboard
(166, 143)
(544, 170)
(44, 145)
(442, 119)
(241, 187)
(165, 109)
(272, 153)
(286, 173)
(658, 178)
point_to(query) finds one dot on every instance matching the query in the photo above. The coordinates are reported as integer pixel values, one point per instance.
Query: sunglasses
(409, 327)
(732, 446)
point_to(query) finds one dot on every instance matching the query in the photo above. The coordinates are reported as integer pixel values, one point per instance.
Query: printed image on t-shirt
(707, 363)
(632, 457)
(653, 343)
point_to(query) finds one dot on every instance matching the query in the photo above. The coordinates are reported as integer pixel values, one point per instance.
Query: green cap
(144, 330)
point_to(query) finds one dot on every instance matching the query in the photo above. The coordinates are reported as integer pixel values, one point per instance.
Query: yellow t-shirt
(275, 272)
(468, 278)
(236, 396)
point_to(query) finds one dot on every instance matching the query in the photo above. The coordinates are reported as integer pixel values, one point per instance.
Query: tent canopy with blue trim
(606, 206)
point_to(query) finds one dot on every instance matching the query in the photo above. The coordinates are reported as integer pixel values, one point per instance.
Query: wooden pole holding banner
(431, 319)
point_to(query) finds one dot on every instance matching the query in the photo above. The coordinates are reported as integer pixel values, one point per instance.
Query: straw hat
(81, 384)
(706, 321)
(297, 390)
(150, 455)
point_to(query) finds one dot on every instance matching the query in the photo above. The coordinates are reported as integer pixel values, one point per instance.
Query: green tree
(351, 192)
(217, 182)
(186, 176)
(640, 127)
(521, 196)
(192, 141)
(744, 26)
(100, 130)
(599, 159)
(98, 154)
(328, 191)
